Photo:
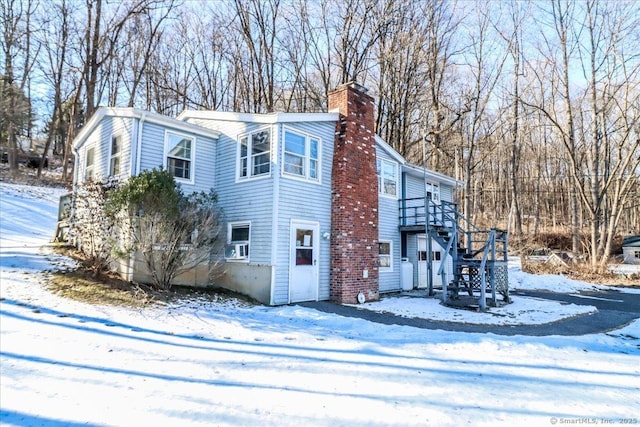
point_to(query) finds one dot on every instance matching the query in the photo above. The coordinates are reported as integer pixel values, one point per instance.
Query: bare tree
(55, 27)
(486, 62)
(16, 44)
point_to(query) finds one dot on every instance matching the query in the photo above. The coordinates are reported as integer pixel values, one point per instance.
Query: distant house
(631, 249)
(316, 205)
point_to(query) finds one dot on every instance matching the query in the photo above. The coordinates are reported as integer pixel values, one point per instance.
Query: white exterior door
(436, 260)
(303, 261)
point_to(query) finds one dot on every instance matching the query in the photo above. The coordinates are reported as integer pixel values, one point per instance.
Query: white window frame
(250, 156)
(380, 163)
(89, 167)
(434, 189)
(232, 243)
(390, 255)
(117, 157)
(307, 159)
(167, 148)
(636, 254)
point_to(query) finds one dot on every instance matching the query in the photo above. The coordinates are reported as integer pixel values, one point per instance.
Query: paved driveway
(615, 310)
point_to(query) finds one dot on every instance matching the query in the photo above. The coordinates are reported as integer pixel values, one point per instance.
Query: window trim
(380, 178)
(250, 176)
(117, 156)
(192, 170)
(230, 227)
(307, 156)
(390, 256)
(89, 168)
(433, 188)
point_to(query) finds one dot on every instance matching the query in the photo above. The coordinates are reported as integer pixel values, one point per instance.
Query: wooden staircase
(479, 257)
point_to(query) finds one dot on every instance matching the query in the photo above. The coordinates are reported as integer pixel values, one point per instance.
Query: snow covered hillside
(65, 363)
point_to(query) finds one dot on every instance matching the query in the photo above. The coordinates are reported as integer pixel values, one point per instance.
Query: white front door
(436, 260)
(303, 261)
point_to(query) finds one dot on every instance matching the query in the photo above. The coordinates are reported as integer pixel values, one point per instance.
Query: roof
(633, 241)
(147, 116)
(415, 170)
(269, 118)
(272, 118)
(419, 171)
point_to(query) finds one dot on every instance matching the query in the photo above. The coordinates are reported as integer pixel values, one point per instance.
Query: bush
(173, 232)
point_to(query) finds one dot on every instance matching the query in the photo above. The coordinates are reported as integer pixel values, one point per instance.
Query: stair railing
(489, 248)
(442, 271)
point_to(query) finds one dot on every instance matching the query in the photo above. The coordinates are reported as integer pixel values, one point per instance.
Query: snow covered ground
(65, 363)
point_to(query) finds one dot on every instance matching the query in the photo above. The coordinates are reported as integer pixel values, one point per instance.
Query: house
(631, 249)
(316, 205)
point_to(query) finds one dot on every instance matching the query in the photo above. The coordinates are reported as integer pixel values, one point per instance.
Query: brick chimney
(354, 197)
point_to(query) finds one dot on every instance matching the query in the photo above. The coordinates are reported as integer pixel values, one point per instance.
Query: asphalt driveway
(615, 310)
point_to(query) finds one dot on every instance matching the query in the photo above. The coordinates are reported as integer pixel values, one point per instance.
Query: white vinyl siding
(389, 277)
(307, 201)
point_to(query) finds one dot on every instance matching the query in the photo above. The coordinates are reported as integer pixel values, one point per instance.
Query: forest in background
(533, 105)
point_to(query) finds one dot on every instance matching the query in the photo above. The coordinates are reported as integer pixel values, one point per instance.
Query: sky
(194, 363)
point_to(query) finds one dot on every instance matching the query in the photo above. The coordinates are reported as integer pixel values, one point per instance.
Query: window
(238, 247)
(255, 157)
(179, 156)
(301, 155)
(89, 164)
(304, 247)
(116, 148)
(433, 192)
(636, 254)
(385, 255)
(387, 178)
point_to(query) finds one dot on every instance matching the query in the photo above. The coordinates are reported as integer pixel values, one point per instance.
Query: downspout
(143, 116)
(275, 213)
(134, 172)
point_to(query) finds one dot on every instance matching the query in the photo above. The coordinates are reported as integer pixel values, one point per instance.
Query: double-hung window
(433, 192)
(114, 161)
(179, 155)
(239, 234)
(89, 164)
(301, 155)
(387, 178)
(255, 154)
(385, 255)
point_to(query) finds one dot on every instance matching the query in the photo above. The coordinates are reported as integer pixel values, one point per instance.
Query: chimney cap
(357, 86)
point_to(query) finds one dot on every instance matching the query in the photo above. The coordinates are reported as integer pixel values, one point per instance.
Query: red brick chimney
(354, 198)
